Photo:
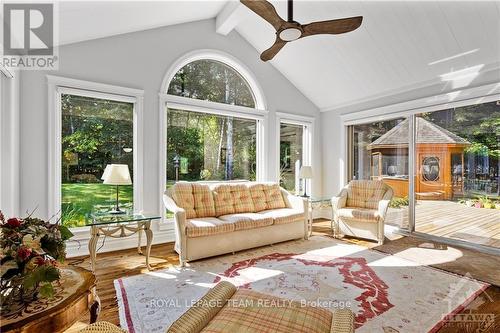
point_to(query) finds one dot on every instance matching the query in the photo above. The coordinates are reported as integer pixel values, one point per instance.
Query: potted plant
(31, 252)
(486, 202)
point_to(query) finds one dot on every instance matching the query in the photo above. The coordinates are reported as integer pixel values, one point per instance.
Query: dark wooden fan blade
(273, 50)
(339, 26)
(265, 10)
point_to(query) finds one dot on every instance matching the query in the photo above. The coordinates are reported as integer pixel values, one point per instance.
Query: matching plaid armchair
(360, 209)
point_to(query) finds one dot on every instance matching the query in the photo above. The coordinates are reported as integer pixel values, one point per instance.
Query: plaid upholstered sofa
(360, 209)
(216, 218)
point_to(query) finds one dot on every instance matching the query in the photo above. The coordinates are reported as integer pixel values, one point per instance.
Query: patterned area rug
(386, 293)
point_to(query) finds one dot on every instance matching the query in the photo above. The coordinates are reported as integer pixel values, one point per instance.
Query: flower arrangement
(31, 250)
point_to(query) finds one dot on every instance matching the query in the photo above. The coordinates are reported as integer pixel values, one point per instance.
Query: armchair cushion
(359, 214)
(365, 193)
(206, 226)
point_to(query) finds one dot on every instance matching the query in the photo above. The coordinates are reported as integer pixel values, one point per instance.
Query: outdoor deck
(453, 220)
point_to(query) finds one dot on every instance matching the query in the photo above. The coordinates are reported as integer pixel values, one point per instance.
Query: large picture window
(95, 132)
(291, 156)
(204, 146)
(213, 81)
(210, 144)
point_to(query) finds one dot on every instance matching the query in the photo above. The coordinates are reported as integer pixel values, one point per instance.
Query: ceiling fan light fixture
(290, 34)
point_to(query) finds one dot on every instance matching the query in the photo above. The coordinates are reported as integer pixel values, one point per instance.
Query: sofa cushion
(195, 199)
(244, 221)
(252, 314)
(258, 197)
(274, 197)
(358, 214)
(206, 226)
(231, 199)
(266, 196)
(242, 199)
(203, 201)
(365, 193)
(284, 215)
(182, 193)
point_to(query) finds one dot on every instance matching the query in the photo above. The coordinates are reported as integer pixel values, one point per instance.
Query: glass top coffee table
(119, 226)
(315, 202)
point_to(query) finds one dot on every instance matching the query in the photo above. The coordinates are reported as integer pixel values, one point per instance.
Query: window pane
(457, 166)
(380, 151)
(211, 81)
(209, 147)
(291, 154)
(95, 132)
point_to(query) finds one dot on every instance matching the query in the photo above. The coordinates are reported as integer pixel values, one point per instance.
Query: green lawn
(79, 200)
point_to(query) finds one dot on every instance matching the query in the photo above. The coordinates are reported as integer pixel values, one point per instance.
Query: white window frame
(307, 124)
(166, 101)
(61, 85)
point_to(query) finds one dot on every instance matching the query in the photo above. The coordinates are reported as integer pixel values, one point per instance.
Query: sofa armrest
(300, 204)
(179, 226)
(383, 204)
(293, 201)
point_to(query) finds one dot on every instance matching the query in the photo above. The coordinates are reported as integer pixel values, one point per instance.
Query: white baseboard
(79, 246)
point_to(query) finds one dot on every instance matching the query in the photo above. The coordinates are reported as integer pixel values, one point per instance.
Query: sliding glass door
(457, 162)
(379, 150)
(455, 158)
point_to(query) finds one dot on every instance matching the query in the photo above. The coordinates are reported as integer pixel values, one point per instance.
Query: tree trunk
(229, 133)
(219, 151)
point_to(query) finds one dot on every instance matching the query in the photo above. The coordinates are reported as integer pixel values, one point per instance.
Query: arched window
(214, 120)
(211, 80)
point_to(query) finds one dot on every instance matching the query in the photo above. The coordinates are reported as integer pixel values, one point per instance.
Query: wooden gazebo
(439, 158)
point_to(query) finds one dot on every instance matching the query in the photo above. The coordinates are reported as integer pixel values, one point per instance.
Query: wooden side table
(75, 295)
(119, 226)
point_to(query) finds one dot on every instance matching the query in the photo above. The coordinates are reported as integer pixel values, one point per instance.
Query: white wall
(140, 60)
(9, 145)
(332, 151)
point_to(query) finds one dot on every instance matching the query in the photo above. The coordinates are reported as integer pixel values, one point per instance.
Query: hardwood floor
(113, 265)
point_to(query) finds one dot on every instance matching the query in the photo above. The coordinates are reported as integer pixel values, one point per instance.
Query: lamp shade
(306, 172)
(116, 174)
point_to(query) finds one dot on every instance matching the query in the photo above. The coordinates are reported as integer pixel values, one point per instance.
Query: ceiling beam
(229, 17)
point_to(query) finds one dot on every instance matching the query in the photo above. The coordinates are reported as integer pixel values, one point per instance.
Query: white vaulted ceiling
(85, 20)
(400, 46)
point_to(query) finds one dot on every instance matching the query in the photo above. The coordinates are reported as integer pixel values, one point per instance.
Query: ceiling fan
(290, 30)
